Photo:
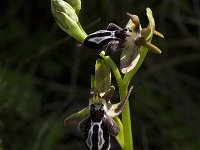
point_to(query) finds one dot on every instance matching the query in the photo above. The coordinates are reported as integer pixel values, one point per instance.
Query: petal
(129, 58)
(116, 109)
(113, 127)
(107, 96)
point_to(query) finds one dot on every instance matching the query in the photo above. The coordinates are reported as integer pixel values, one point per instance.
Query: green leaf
(17, 93)
(54, 134)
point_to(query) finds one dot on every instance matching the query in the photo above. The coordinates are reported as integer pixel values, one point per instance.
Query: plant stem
(126, 120)
(113, 66)
(126, 117)
(120, 136)
(123, 84)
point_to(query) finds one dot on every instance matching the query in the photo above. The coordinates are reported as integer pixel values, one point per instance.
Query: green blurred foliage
(159, 124)
(42, 70)
(17, 93)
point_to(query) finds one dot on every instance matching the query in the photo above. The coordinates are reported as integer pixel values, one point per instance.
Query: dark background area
(45, 76)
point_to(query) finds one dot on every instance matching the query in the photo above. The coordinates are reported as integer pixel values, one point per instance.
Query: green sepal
(147, 34)
(75, 118)
(102, 76)
(151, 26)
(131, 51)
(93, 82)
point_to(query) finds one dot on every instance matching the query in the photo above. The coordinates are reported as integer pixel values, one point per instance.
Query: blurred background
(45, 75)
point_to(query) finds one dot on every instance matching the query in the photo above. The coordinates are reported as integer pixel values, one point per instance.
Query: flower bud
(67, 19)
(76, 4)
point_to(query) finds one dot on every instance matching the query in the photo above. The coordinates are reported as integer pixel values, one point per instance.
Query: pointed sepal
(102, 76)
(131, 51)
(76, 117)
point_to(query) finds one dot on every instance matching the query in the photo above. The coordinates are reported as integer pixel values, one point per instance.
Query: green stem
(126, 120)
(113, 66)
(123, 85)
(120, 136)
